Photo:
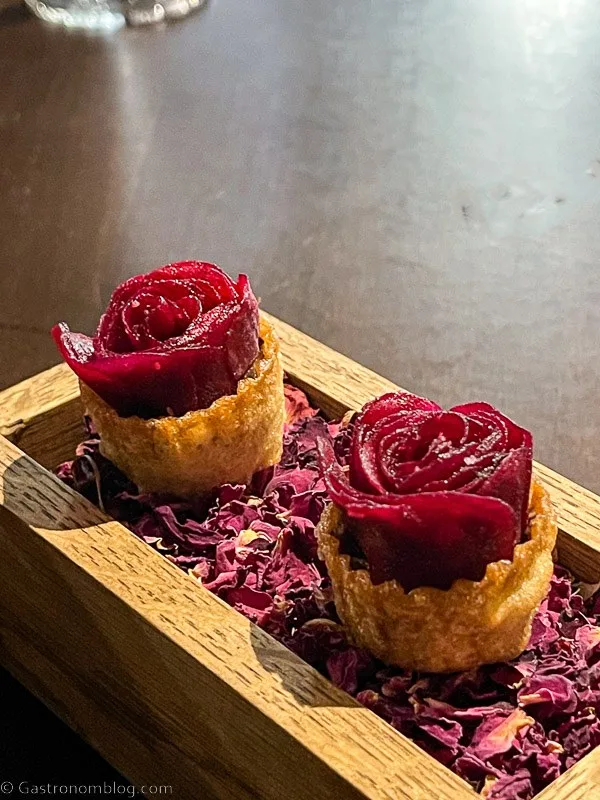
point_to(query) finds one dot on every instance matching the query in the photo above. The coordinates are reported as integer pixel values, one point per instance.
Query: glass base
(92, 15)
(110, 15)
(150, 12)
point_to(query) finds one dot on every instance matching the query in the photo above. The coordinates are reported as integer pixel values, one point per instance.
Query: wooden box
(171, 685)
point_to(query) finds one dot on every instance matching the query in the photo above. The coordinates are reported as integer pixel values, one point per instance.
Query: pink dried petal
(555, 690)
(511, 787)
(497, 733)
(297, 406)
(347, 668)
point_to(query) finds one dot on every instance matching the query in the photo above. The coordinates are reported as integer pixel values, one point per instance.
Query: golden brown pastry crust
(225, 443)
(472, 623)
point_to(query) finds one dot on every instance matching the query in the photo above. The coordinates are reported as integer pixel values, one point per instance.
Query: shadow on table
(298, 678)
(37, 747)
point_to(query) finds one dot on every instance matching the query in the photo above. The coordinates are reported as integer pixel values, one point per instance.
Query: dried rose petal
(348, 668)
(497, 733)
(297, 406)
(579, 735)
(446, 733)
(555, 690)
(588, 636)
(511, 787)
(171, 341)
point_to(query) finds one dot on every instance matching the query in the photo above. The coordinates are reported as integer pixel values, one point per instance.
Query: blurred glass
(109, 15)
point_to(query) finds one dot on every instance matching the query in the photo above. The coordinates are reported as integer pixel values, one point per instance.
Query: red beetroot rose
(171, 341)
(431, 495)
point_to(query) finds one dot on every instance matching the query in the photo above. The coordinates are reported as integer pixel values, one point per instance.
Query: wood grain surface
(26, 407)
(581, 782)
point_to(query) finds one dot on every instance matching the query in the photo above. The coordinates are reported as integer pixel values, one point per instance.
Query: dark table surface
(416, 183)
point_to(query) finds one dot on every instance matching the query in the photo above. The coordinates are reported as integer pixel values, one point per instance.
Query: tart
(182, 380)
(437, 541)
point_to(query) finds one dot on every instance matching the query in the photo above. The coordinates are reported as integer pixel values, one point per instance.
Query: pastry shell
(435, 630)
(224, 443)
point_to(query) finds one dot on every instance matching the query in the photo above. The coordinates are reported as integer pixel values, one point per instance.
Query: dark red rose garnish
(171, 341)
(432, 495)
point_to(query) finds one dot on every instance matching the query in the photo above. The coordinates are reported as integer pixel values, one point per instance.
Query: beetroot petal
(364, 469)
(431, 495)
(172, 341)
(510, 482)
(407, 542)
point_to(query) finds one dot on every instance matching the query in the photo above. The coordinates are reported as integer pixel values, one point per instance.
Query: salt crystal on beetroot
(255, 547)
